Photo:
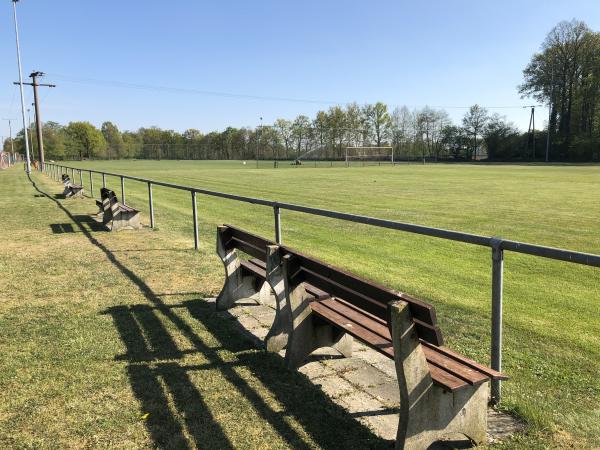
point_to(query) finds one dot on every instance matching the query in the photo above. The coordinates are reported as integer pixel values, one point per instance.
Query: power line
(159, 88)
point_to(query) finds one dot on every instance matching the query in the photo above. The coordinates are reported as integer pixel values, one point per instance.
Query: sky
(209, 65)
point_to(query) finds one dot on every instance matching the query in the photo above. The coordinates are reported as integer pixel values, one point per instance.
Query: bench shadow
(60, 228)
(175, 411)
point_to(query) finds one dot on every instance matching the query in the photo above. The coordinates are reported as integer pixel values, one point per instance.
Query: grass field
(552, 325)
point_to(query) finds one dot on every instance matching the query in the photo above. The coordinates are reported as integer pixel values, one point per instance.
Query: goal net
(369, 155)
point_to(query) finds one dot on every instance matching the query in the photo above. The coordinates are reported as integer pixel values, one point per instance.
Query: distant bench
(115, 215)
(71, 190)
(318, 305)
(103, 204)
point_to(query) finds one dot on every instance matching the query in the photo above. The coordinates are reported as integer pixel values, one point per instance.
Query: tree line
(564, 75)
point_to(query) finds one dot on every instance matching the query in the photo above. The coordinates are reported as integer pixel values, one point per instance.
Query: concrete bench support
(428, 413)
(304, 332)
(237, 285)
(118, 217)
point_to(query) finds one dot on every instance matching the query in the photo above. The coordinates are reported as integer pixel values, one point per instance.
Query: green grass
(551, 346)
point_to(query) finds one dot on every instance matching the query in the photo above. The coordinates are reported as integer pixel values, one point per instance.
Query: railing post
(497, 288)
(80, 178)
(151, 205)
(73, 174)
(277, 213)
(103, 180)
(123, 190)
(194, 209)
(91, 184)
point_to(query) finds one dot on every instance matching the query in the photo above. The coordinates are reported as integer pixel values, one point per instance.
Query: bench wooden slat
(258, 268)
(314, 291)
(347, 310)
(452, 366)
(491, 373)
(357, 330)
(427, 331)
(250, 238)
(379, 294)
(440, 375)
(257, 252)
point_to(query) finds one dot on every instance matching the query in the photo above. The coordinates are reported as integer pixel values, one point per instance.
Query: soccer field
(551, 308)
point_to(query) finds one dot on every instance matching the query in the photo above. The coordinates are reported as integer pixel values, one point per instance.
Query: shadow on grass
(179, 415)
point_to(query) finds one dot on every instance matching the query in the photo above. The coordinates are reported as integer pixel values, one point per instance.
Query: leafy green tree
(114, 140)
(85, 140)
(501, 138)
(54, 140)
(566, 76)
(378, 120)
(474, 121)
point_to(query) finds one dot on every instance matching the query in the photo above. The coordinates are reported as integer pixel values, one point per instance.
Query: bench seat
(448, 369)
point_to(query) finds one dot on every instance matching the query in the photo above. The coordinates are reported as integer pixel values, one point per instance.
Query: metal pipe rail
(497, 245)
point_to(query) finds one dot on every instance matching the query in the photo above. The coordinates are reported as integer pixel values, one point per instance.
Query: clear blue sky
(437, 53)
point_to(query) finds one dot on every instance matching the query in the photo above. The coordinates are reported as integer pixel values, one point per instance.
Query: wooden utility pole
(531, 128)
(38, 119)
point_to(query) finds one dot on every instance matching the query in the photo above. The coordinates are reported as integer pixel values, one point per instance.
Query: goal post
(370, 154)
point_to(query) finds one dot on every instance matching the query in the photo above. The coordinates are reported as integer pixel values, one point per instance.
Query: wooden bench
(71, 190)
(103, 204)
(442, 393)
(118, 216)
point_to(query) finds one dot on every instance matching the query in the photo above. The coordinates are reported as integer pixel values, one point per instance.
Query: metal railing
(496, 244)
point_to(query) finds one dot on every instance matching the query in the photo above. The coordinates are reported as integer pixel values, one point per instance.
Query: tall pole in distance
(38, 119)
(258, 136)
(29, 130)
(533, 129)
(12, 146)
(550, 115)
(28, 166)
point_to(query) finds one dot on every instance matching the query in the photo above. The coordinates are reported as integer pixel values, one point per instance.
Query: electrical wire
(157, 88)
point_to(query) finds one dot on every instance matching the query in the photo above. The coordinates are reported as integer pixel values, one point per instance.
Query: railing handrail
(588, 259)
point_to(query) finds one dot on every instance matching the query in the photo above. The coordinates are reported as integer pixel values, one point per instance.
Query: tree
(501, 138)
(85, 139)
(114, 140)
(566, 76)
(473, 122)
(54, 140)
(378, 119)
(300, 132)
(284, 129)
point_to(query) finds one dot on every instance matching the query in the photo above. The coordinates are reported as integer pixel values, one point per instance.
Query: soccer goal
(369, 155)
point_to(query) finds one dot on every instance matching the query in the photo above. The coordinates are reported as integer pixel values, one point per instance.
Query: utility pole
(258, 136)
(531, 128)
(29, 130)
(38, 120)
(12, 146)
(28, 166)
(550, 115)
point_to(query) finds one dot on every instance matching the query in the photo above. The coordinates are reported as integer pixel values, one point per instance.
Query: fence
(496, 244)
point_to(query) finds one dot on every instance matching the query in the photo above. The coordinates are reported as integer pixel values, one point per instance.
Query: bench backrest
(363, 294)
(234, 238)
(104, 193)
(112, 198)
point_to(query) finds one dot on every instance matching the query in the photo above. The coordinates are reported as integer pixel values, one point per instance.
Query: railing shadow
(177, 413)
